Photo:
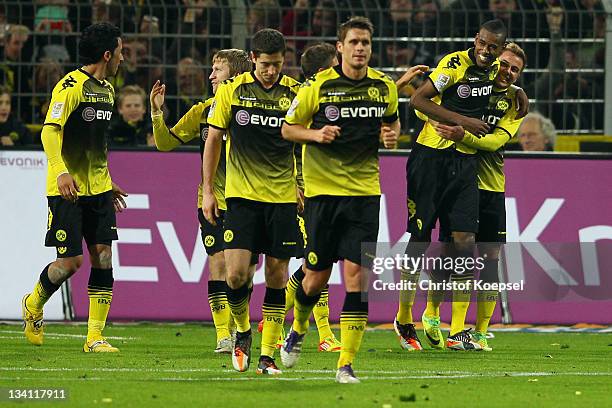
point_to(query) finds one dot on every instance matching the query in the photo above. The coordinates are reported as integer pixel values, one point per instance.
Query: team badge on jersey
(284, 103)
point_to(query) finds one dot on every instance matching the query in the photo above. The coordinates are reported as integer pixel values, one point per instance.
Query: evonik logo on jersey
(333, 113)
(244, 118)
(465, 90)
(89, 114)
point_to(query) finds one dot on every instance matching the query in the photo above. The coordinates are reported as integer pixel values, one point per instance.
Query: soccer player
(442, 176)
(502, 115)
(81, 196)
(225, 64)
(260, 190)
(337, 116)
(315, 58)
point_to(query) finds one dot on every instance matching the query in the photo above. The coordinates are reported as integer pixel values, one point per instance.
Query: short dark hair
(96, 40)
(237, 60)
(496, 27)
(316, 57)
(362, 23)
(268, 41)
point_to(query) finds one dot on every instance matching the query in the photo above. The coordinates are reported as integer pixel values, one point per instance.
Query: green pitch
(173, 365)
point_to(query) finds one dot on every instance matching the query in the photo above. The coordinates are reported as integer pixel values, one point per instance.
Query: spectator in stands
(131, 127)
(537, 133)
(190, 87)
(14, 73)
(264, 14)
(12, 131)
(202, 21)
(149, 30)
(296, 16)
(555, 83)
(149, 71)
(47, 73)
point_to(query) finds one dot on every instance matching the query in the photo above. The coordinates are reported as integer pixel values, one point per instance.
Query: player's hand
(522, 103)
(118, 201)
(158, 93)
(6, 141)
(474, 126)
(299, 194)
(68, 187)
(410, 74)
(389, 137)
(327, 134)
(210, 208)
(450, 132)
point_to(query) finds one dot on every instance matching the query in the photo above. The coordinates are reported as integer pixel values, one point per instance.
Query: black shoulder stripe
(390, 118)
(508, 133)
(217, 127)
(175, 136)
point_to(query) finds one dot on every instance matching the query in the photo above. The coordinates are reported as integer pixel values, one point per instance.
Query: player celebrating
(337, 114)
(260, 190)
(226, 64)
(81, 196)
(442, 176)
(503, 116)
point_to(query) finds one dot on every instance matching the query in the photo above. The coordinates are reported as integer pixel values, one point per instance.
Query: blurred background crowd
(173, 41)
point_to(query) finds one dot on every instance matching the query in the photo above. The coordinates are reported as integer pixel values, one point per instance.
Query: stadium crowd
(173, 41)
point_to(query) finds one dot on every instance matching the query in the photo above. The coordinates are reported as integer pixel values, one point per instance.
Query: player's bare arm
(409, 75)
(210, 161)
(421, 100)
(299, 134)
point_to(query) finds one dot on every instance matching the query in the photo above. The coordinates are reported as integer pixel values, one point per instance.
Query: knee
(235, 280)
(64, 268)
(101, 257)
(312, 285)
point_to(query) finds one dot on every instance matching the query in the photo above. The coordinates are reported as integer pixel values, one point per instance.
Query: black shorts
(91, 217)
(212, 236)
(336, 226)
(492, 216)
(262, 228)
(442, 185)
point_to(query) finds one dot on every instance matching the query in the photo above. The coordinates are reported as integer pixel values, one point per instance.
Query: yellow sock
(100, 291)
(273, 310)
(487, 299)
(217, 299)
(37, 298)
(353, 320)
(292, 284)
(321, 315)
(42, 291)
(302, 309)
(406, 299)
(238, 300)
(460, 305)
(434, 300)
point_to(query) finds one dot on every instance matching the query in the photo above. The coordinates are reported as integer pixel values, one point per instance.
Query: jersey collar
(91, 76)
(338, 69)
(263, 87)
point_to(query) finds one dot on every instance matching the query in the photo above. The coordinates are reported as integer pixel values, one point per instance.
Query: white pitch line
(74, 336)
(437, 374)
(327, 378)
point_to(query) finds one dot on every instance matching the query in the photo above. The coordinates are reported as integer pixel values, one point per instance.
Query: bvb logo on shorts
(284, 103)
(228, 236)
(61, 235)
(373, 92)
(209, 240)
(61, 250)
(313, 258)
(411, 208)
